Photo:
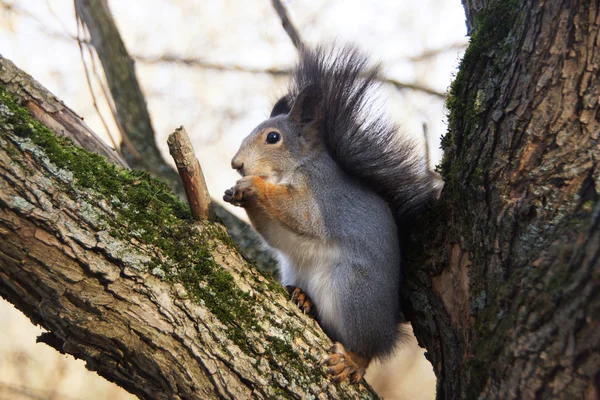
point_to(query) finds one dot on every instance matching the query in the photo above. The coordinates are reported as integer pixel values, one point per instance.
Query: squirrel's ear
(307, 105)
(282, 106)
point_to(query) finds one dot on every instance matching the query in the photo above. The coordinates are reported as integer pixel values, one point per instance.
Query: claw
(333, 359)
(345, 364)
(242, 193)
(300, 298)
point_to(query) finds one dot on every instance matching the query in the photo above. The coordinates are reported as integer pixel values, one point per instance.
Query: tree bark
(504, 281)
(114, 267)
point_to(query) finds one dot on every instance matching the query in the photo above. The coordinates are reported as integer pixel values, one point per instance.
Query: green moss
(588, 205)
(281, 350)
(148, 211)
(464, 103)
(12, 152)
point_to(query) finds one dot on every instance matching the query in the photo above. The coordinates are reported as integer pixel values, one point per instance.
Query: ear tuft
(283, 106)
(306, 108)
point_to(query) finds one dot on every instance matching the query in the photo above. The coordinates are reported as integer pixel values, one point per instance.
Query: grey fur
(367, 277)
(370, 149)
(335, 235)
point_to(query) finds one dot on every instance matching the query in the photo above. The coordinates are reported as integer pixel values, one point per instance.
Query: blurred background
(212, 66)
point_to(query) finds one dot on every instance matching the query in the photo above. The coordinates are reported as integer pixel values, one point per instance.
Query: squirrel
(330, 184)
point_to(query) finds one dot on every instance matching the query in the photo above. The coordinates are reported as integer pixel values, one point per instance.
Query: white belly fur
(308, 264)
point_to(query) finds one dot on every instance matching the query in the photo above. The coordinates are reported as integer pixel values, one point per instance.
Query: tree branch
(426, 55)
(53, 113)
(200, 63)
(287, 24)
(413, 86)
(189, 169)
(113, 266)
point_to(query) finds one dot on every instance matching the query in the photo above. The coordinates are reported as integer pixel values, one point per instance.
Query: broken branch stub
(191, 175)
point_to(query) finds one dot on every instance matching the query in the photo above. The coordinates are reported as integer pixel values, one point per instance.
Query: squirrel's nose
(237, 164)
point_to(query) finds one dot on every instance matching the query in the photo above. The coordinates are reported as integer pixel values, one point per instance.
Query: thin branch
(18, 391)
(110, 102)
(427, 150)
(200, 63)
(89, 82)
(287, 24)
(57, 18)
(191, 175)
(413, 86)
(435, 52)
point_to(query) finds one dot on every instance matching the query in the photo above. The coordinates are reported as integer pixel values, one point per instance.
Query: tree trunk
(504, 281)
(112, 265)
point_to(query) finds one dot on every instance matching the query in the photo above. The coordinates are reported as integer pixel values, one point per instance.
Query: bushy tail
(359, 137)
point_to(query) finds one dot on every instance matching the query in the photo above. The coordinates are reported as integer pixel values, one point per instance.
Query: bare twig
(287, 23)
(20, 392)
(191, 174)
(89, 82)
(109, 100)
(57, 18)
(200, 63)
(427, 150)
(413, 86)
(435, 52)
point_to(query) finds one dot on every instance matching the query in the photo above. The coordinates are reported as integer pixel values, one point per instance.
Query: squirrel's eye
(273, 137)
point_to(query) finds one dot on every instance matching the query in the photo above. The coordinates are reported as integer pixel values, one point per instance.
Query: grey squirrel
(328, 182)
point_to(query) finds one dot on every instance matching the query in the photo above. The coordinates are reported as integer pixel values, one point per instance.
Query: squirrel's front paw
(242, 193)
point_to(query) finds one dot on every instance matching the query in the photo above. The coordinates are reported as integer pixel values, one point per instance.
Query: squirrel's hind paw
(345, 364)
(301, 299)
